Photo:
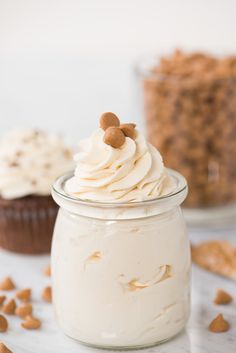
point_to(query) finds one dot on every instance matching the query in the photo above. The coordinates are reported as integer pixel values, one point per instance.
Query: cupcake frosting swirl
(30, 160)
(134, 172)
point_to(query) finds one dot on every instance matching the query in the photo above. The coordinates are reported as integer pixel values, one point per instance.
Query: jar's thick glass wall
(192, 121)
(121, 283)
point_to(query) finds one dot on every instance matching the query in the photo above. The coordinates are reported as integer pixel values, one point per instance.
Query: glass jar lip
(181, 187)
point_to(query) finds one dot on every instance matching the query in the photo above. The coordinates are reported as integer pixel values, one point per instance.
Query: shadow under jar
(121, 271)
(190, 114)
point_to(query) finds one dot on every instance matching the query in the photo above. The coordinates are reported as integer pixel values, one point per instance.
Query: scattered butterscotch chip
(24, 310)
(47, 294)
(222, 297)
(219, 324)
(47, 271)
(3, 324)
(10, 307)
(128, 130)
(4, 349)
(31, 323)
(114, 137)
(2, 299)
(24, 295)
(7, 284)
(109, 119)
(216, 256)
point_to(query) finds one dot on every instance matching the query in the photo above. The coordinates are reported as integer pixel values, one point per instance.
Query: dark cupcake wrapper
(26, 224)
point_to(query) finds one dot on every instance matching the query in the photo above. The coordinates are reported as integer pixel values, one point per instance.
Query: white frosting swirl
(134, 172)
(30, 161)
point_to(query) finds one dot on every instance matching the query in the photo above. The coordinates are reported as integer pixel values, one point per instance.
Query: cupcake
(30, 160)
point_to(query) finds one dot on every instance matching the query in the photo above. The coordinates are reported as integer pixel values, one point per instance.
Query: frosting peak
(133, 172)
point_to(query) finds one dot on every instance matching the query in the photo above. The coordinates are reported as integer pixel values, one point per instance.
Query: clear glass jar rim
(181, 187)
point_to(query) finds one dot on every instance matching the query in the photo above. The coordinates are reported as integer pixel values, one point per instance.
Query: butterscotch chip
(2, 299)
(219, 324)
(109, 119)
(128, 130)
(47, 271)
(114, 137)
(131, 125)
(10, 307)
(7, 284)
(24, 295)
(31, 323)
(3, 324)
(222, 297)
(216, 256)
(4, 349)
(24, 310)
(47, 294)
(197, 86)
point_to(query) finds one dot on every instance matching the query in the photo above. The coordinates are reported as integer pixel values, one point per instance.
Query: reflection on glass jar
(190, 112)
(121, 272)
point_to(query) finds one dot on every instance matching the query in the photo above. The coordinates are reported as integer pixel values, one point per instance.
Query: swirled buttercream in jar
(120, 255)
(134, 172)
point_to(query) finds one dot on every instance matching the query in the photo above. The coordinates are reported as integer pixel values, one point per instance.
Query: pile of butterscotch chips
(20, 304)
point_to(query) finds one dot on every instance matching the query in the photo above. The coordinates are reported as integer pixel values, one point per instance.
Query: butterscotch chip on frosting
(222, 297)
(24, 295)
(109, 119)
(114, 137)
(128, 130)
(219, 324)
(4, 349)
(144, 177)
(216, 256)
(7, 284)
(10, 307)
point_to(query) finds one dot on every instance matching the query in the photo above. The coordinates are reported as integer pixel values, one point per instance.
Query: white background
(64, 62)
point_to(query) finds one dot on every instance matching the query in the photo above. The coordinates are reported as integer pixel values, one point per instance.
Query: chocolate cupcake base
(26, 224)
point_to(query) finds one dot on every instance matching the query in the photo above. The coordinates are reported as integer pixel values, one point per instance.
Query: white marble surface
(27, 271)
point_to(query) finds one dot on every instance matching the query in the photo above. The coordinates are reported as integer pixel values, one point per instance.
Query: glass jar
(190, 115)
(121, 272)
